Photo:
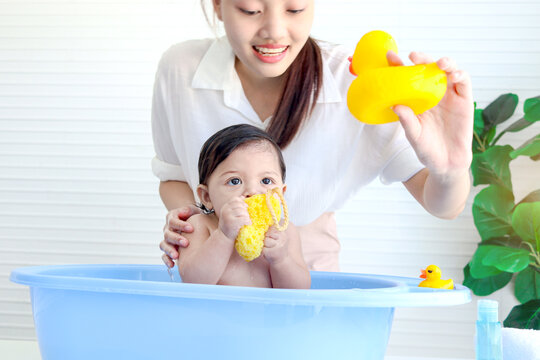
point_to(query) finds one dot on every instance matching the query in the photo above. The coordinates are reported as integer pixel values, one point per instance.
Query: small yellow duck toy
(432, 274)
(379, 86)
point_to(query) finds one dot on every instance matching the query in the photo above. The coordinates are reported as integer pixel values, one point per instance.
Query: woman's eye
(297, 11)
(249, 12)
(234, 181)
(267, 181)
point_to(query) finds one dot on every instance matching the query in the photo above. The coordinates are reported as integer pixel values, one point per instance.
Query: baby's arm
(205, 259)
(283, 251)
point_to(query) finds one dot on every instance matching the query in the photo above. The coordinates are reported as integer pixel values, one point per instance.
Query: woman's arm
(178, 199)
(441, 138)
(175, 194)
(283, 251)
(205, 260)
(442, 196)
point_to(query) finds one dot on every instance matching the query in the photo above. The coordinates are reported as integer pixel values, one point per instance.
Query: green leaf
(528, 285)
(514, 127)
(486, 286)
(525, 316)
(500, 110)
(479, 270)
(530, 148)
(526, 222)
(478, 121)
(492, 167)
(506, 259)
(531, 108)
(508, 241)
(491, 210)
(531, 197)
(518, 125)
(490, 135)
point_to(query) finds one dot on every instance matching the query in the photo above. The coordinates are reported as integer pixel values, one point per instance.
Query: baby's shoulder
(202, 223)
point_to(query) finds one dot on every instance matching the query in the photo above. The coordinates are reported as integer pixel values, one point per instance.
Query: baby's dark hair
(220, 145)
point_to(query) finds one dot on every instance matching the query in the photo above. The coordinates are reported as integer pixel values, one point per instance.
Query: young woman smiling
(267, 71)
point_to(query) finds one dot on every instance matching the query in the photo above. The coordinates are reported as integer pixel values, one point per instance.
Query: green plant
(509, 231)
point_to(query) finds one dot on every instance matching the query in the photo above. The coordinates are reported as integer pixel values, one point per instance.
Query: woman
(268, 72)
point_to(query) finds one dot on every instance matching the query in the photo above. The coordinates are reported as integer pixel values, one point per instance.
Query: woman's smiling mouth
(270, 53)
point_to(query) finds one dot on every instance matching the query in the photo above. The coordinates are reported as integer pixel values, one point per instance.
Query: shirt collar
(216, 72)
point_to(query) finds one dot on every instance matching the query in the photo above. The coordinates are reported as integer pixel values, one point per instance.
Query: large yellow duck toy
(432, 274)
(379, 86)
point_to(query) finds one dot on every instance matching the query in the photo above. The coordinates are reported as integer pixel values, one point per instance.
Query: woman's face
(266, 35)
(247, 171)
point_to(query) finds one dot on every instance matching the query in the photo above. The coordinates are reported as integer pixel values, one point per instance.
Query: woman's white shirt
(197, 92)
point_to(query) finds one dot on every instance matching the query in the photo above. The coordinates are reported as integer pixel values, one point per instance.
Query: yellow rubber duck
(379, 86)
(432, 274)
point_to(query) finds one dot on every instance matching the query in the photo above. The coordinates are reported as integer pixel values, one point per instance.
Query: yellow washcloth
(250, 240)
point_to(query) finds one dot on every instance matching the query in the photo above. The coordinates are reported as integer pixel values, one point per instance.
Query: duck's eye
(430, 271)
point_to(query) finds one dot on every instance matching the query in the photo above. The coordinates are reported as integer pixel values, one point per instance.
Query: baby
(235, 163)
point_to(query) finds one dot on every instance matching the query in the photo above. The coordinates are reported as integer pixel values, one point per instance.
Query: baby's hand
(233, 216)
(275, 245)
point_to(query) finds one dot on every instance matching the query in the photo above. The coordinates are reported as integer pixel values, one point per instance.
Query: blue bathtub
(137, 312)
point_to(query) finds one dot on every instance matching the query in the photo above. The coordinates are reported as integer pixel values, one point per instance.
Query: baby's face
(249, 170)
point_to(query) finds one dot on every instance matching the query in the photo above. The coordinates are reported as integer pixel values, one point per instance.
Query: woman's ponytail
(303, 82)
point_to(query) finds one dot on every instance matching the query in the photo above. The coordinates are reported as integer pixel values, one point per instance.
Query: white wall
(75, 144)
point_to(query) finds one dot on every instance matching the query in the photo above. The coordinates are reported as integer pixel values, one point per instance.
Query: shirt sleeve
(401, 167)
(166, 164)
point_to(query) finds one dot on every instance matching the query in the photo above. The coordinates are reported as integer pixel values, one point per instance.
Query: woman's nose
(273, 26)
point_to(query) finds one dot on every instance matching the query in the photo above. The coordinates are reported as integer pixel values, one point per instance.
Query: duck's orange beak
(423, 275)
(350, 66)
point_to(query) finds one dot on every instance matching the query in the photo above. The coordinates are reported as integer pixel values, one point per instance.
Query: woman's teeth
(270, 52)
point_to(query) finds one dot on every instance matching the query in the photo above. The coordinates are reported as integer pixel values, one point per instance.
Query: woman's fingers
(167, 260)
(447, 65)
(457, 78)
(409, 121)
(462, 83)
(420, 58)
(174, 223)
(393, 59)
(170, 252)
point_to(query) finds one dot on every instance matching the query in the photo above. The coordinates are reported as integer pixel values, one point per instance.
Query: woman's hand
(172, 233)
(233, 215)
(275, 245)
(441, 136)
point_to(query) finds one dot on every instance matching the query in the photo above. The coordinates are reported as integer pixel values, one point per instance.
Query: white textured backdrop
(75, 183)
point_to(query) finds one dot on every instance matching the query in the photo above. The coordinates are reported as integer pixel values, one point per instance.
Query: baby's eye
(267, 181)
(295, 11)
(234, 181)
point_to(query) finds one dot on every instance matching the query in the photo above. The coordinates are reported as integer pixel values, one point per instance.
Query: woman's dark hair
(303, 81)
(220, 145)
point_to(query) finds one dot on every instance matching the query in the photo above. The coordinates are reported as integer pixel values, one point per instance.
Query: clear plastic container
(488, 331)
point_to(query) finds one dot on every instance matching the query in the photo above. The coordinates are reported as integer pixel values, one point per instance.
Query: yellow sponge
(250, 240)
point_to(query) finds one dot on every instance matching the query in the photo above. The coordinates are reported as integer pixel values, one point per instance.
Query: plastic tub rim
(401, 291)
